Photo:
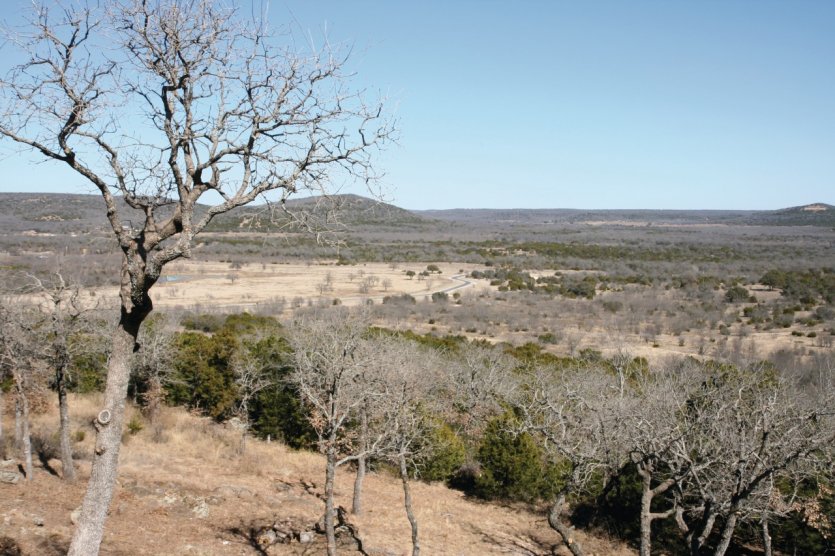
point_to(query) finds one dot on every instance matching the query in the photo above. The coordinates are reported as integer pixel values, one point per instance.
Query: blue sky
(639, 104)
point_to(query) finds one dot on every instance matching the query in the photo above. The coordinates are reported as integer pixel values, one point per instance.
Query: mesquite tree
(161, 105)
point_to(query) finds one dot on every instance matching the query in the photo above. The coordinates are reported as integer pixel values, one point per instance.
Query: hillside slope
(192, 493)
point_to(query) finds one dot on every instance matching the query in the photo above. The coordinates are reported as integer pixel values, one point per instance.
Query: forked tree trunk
(646, 520)
(557, 525)
(647, 495)
(407, 503)
(356, 504)
(67, 464)
(90, 529)
(697, 542)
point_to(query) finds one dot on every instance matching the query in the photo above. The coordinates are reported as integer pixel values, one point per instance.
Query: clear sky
(585, 104)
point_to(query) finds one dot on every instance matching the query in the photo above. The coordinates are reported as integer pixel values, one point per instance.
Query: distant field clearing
(209, 284)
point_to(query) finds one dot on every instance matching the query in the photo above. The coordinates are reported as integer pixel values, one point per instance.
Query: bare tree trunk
(330, 475)
(23, 440)
(242, 446)
(152, 403)
(767, 549)
(2, 440)
(697, 542)
(407, 503)
(18, 424)
(727, 534)
(646, 518)
(560, 527)
(27, 438)
(67, 464)
(645, 470)
(356, 504)
(90, 529)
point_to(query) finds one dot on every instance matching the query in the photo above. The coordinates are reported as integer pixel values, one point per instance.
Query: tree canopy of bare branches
(166, 104)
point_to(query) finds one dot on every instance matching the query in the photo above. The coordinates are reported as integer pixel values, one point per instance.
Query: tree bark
(646, 518)
(407, 503)
(727, 534)
(767, 549)
(26, 438)
(2, 440)
(707, 523)
(242, 444)
(647, 494)
(67, 465)
(560, 527)
(356, 504)
(23, 440)
(153, 402)
(330, 475)
(18, 424)
(90, 529)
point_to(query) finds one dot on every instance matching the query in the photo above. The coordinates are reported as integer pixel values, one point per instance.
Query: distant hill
(68, 213)
(71, 213)
(348, 211)
(51, 212)
(817, 214)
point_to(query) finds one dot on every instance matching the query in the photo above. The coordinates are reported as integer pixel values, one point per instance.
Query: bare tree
(16, 359)
(61, 316)
(578, 413)
(161, 104)
(758, 425)
(250, 379)
(412, 390)
(332, 356)
(480, 380)
(658, 440)
(153, 368)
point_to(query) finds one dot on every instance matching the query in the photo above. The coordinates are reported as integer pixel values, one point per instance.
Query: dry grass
(193, 493)
(201, 284)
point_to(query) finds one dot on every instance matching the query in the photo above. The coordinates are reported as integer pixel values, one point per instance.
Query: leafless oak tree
(756, 426)
(412, 391)
(250, 379)
(153, 368)
(160, 105)
(579, 415)
(17, 359)
(332, 359)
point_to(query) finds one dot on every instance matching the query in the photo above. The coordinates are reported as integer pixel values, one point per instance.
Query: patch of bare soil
(189, 491)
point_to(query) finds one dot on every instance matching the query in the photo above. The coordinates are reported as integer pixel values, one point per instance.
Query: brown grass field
(192, 493)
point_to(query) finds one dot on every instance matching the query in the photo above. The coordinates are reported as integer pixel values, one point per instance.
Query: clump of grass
(135, 425)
